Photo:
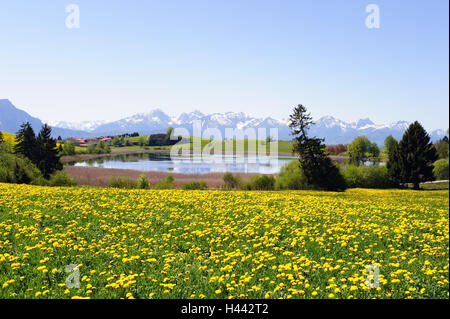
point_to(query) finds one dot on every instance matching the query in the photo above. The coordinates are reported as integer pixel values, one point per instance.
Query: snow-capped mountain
(156, 121)
(188, 117)
(336, 131)
(333, 130)
(87, 126)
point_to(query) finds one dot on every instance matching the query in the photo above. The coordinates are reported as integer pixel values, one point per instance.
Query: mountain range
(333, 130)
(11, 118)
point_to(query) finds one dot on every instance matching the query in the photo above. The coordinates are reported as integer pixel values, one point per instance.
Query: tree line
(409, 161)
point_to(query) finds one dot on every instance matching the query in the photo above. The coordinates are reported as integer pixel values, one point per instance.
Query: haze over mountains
(333, 130)
(11, 118)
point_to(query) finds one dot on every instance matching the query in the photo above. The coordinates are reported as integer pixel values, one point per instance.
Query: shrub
(441, 169)
(4, 174)
(6, 145)
(99, 148)
(231, 181)
(375, 176)
(162, 139)
(40, 181)
(90, 148)
(17, 169)
(291, 177)
(68, 148)
(121, 182)
(102, 148)
(195, 185)
(143, 182)
(263, 182)
(167, 183)
(353, 176)
(60, 178)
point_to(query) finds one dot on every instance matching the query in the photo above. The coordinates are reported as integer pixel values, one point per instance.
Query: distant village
(84, 142)
(124, 140)
(109, 139)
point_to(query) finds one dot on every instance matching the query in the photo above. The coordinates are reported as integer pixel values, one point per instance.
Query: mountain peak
(189, 117)
(156, 111)
(197, 113)
(5, 103)
(364, 122)
(327, 117)
(329, 121)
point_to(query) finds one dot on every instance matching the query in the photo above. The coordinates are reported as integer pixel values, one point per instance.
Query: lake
(192, 164)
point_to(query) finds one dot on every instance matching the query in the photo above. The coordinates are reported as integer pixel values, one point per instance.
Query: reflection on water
(192, 164)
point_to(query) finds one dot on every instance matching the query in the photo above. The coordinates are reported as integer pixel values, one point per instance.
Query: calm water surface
(195, 164)
(191, 165)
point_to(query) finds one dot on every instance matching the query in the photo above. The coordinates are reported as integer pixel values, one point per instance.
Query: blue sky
(259, 57)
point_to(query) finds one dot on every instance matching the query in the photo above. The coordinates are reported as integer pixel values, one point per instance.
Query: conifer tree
(414, 157)
(394, 163)
(26, 142)
(48, 157)
(317, 166)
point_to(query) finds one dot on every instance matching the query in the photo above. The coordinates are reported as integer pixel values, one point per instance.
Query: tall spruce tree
(317, 166)
(26, 142)
(413, 158)
(2, 140)
(48, 159)
(394, 163)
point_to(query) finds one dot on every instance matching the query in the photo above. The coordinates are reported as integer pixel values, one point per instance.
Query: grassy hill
(9, 138)
(283, 146)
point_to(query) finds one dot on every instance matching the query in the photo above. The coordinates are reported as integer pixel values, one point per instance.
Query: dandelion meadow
(222, 244)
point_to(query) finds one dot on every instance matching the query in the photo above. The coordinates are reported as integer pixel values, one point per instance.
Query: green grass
(283, 146)
(136, 147)
(433, 185)
(248, 144)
